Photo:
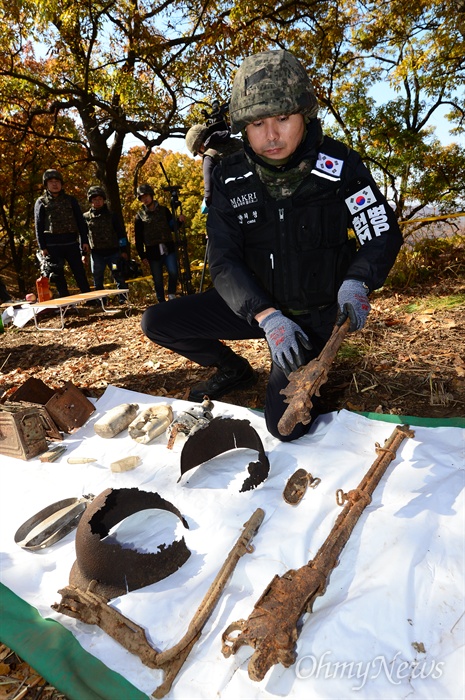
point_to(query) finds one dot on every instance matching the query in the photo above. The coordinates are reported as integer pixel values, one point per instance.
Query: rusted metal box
(22, 432)
(70, 409)
(32, 390)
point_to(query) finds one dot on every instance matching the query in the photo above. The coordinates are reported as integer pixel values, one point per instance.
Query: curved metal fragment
(51, 524)
(115, 569)
(222, 435)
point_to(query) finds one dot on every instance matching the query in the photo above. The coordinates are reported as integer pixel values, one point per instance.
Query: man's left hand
(353, 303)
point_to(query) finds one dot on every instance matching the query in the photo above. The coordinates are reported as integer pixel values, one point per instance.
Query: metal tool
(52, 523)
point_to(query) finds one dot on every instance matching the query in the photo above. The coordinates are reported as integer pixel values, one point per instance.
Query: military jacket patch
(329, 165)
(360, 200)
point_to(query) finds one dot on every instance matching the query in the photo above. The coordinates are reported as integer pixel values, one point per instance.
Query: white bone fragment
(151, 423)
(116, 420)
(125, 464)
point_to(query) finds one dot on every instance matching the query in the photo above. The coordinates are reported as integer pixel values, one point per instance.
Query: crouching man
(280, 257)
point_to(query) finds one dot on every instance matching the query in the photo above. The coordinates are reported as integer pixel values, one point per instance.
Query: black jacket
(294, 253)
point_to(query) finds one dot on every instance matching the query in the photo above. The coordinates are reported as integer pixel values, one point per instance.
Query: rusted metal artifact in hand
(306, 382)
(272, 627)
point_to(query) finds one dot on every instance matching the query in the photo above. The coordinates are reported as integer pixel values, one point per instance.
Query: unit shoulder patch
(360, 200)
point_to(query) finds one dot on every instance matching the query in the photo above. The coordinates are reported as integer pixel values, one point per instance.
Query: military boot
(233, 373)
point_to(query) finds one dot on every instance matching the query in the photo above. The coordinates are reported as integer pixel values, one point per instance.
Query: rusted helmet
(195, 137)
(145, 189)
(268, 84)
(51, 175)
(109, 566)
(96, 191)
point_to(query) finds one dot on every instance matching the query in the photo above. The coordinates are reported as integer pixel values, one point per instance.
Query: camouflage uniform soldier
(107, 239)
(282, 264)
(212, 146)
(61, 233)
(155, 245)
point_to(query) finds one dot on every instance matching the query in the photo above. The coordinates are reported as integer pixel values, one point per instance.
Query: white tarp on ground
(390, 624)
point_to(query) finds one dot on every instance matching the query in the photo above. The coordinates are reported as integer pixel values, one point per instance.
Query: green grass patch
(444, 303)
(347, 351)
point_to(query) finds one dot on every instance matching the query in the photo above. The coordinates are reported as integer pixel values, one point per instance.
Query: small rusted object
(221, 435)
(297, 485)
(272, 628)
(190, 421)
(92, 608)
(305, 382)
(53, 453)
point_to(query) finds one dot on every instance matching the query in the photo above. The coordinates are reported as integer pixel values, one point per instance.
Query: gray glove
(287, 342)
(353, 303)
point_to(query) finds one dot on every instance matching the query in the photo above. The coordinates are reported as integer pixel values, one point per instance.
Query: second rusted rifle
(272, 627)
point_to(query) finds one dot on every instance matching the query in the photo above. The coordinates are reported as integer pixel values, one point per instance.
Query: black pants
(194, 325)
(4, 294)
(70, 253)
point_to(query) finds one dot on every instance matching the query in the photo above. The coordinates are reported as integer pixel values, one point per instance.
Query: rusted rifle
(272, 627)
(93, 609)
(305, 382)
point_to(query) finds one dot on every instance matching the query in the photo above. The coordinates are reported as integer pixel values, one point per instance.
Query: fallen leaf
(449, 323)
(354, 407)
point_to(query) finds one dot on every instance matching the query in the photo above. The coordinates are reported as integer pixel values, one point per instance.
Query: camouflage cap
(51, 174)
(96, 191)
(268, 84)
(195, 137)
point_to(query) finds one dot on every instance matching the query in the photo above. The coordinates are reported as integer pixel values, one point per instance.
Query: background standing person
(61, 233)
(281, 260)
(4, 293)
(212, 145)
(153, 229)
(107, 240)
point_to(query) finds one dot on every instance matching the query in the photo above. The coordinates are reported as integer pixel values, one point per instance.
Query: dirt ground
(409, 360)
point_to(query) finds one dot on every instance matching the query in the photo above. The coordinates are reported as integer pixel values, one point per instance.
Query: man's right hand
(286, 340)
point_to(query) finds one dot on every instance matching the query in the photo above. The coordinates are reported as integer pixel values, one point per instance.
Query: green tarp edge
(414, 420)
(56, 655)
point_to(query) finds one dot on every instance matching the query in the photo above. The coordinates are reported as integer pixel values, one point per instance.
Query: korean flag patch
(360, 200)
(329, 165)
